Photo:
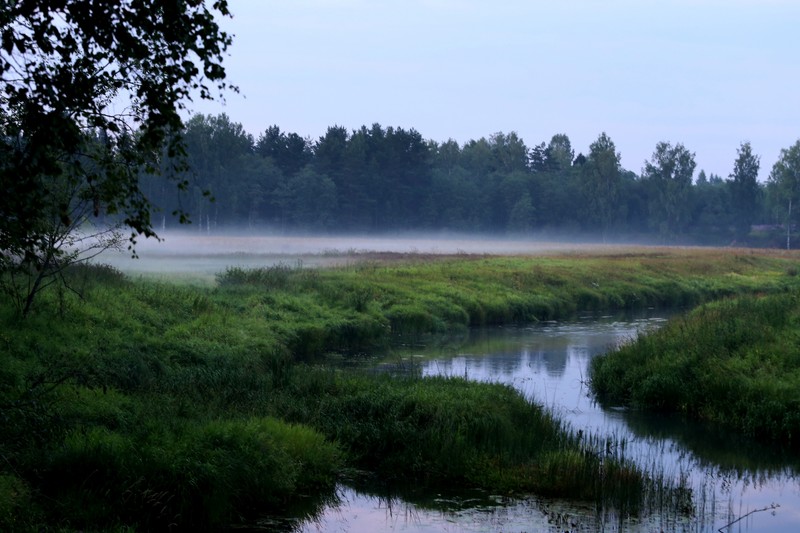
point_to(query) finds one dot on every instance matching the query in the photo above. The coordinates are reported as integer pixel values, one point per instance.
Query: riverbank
(734, 362)
(146, 404)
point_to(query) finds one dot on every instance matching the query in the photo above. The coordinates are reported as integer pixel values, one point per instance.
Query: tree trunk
(789, 226)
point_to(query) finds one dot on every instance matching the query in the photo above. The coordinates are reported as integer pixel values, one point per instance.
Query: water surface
(737, 485)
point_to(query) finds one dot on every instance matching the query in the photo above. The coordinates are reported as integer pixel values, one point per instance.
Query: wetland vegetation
(150, 404)
(734, 362)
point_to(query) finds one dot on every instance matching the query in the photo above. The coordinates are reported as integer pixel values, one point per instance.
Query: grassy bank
(153, 405)
(734, 362)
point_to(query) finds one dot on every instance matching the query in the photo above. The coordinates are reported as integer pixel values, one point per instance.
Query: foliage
(67, 236)
(206, 474)
(17, 511)
(64, 69)
(449, 431)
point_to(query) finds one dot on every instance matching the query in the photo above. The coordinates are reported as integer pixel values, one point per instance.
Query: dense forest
(387, 179)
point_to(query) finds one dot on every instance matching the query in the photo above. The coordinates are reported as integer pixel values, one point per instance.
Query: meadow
(149, 404)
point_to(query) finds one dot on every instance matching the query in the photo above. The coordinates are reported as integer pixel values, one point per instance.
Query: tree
(289, 152)
(217, 151)
(446, 156)
(521, 217)
(64, 240)
(785, 177)
(711, 210)
(601, 182)
(556, 180)
(65, 66)
(559, 153)
(308, 200)
(329, 151)
(510, 152)
(669, 173)
(743, 185)
(537, 158)
(477, 158)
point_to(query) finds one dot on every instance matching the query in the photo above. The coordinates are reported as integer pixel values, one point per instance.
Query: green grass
(146, 403)
(735, 362)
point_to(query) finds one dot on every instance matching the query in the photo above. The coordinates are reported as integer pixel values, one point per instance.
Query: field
(147, 403)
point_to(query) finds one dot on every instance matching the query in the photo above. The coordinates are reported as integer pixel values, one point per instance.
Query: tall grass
(734, 362)
(452, 432)
(197, 477)
(416, 296)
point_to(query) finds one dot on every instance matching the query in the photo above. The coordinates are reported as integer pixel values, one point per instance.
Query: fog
(200, 257)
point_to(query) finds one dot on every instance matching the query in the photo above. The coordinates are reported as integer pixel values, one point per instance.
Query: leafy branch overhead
(123, 69)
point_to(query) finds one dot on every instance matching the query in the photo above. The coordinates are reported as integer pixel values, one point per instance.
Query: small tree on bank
(67, 67)
(64, 242)
(785, 178)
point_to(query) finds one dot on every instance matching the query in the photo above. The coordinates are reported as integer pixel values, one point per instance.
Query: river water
(736, 485)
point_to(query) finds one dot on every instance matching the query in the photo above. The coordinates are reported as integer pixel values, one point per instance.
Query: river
(736, 485)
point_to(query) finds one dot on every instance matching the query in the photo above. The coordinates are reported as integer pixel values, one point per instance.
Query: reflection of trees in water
(500, 364)
(481, 368)
(509, 354)
(554, 362)
(715, 447)
(375, 505)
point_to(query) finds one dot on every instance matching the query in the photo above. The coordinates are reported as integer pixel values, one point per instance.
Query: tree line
(76, 172)
(385, 179)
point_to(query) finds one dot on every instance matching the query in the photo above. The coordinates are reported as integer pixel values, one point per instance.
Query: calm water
(548, 362)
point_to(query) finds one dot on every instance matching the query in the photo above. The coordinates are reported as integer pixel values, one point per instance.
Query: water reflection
(737, 485)
(365, 511)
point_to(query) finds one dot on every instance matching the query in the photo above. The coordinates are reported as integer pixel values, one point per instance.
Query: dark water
(736, 485)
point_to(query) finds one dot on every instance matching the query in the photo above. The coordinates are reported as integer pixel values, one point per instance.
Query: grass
(148, 404)
(734, 362)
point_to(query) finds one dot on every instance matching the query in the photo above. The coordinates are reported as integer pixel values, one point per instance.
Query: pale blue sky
(707, 73)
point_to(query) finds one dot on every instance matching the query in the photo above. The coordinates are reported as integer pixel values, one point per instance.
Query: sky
(708, 74)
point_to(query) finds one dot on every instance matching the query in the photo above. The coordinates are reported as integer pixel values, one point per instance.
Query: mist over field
(184, 253)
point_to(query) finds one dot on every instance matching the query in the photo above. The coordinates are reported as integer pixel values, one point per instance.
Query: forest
(387, 179)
